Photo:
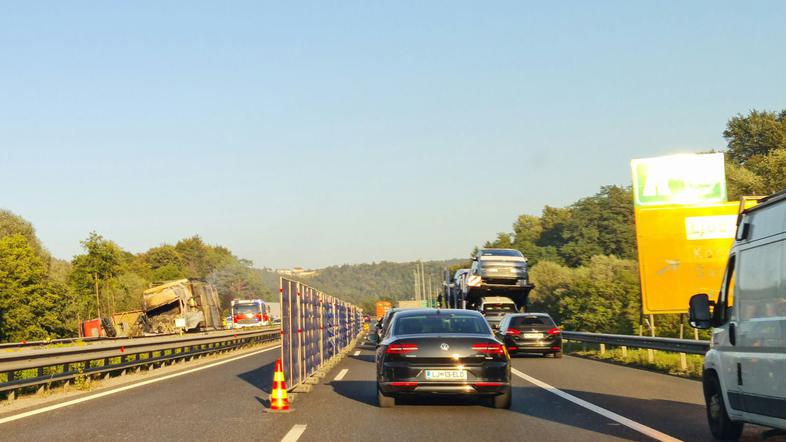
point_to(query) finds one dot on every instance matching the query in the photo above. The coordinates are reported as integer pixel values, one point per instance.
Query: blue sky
(341, 132)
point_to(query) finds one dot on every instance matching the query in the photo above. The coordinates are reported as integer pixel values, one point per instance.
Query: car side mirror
(699, 315)
(373, 338)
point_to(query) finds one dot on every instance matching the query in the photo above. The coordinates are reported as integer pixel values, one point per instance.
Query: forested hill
(364, 284)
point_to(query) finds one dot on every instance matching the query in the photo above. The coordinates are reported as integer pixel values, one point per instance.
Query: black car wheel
(721, 426)
(385, 401)
(557, 354)
(503, 400)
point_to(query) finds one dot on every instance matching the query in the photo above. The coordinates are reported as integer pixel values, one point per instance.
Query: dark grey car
(428, 352)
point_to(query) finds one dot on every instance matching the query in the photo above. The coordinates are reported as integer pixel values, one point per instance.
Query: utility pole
(98, 299)
(430, 293)
(417, 292)
(423, 279)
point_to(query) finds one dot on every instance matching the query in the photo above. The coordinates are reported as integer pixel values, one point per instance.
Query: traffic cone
(279, 403)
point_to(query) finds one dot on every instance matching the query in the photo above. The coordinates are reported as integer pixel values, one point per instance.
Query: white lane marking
(127, 387)
(357, 353)
(341, 374)
(651, 432)
(294, 434)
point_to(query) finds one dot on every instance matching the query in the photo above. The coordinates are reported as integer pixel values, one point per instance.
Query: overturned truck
(182, 305)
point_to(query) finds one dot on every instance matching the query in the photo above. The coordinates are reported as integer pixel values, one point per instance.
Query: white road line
(651, 432)
(357, 353)
(341, 374)
(294, 434)
(127, 387)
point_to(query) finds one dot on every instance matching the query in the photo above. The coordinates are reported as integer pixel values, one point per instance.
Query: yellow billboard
(682, 251)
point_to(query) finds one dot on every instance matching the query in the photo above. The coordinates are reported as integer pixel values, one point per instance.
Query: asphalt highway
(553, 400)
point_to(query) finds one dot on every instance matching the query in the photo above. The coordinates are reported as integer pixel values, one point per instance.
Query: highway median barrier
(317, 332)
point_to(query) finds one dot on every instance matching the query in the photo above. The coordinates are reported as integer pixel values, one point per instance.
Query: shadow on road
(674, 418)
(364, 358)
(261, 377)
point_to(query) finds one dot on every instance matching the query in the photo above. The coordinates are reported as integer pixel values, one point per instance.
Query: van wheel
(385, 401)
(721, 426)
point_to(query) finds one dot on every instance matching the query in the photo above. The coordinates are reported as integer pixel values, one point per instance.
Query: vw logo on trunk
(444, 347)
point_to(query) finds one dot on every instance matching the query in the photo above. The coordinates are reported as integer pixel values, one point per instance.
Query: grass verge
(663, 362)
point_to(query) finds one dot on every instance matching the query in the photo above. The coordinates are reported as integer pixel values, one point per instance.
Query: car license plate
(533, 335)
(446, 375)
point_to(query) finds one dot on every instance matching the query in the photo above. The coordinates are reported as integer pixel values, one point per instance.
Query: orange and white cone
(279, 403)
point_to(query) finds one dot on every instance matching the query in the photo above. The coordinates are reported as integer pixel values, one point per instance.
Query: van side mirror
(699, 314)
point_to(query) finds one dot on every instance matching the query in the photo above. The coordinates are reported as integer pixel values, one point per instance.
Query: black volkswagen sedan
(530, 333)
(442, 352)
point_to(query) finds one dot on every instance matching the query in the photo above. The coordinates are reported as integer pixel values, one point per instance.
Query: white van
(745, 369)
(494, 308)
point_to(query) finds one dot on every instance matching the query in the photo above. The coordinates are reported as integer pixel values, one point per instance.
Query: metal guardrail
(689, 346)
(39, 367)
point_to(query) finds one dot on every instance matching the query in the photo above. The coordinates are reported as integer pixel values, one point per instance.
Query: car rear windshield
(489, 308)
(242, 309)
(440, 323)
(501, 253)
(523, 321)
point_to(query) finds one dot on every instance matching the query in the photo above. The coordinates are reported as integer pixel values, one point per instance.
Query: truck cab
(249, 313)
(744, 376)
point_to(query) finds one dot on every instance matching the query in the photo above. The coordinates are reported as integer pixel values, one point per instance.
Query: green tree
(600, 225)
(165, 263)
(92, 274)
(755, 134)
(603, 296)
(29, 304)
(11, 224)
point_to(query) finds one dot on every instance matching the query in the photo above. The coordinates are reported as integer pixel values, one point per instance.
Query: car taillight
(400, 349)
(404, 384)
(236, 318)
(266, 318)
(554, 331)
(489, 348)
(512, 332)
(259, 317)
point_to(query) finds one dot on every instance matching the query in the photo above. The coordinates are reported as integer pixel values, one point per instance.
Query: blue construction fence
(314, 328)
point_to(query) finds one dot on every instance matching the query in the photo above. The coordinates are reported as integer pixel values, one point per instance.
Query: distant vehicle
(182, 305)
(530, 333)
(249, 313)
(384, 323)
(383, 307)
(501, 272)
(745, 369)
(494, 308)
(428, 352)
